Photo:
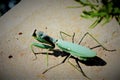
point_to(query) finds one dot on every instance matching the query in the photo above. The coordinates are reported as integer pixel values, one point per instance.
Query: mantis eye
(40, 34)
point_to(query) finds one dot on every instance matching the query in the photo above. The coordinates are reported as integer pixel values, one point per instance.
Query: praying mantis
(75, 50)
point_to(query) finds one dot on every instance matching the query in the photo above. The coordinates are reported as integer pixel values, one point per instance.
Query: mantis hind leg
(78, 67)
(100, 45)
(76, 59)
(67, 58)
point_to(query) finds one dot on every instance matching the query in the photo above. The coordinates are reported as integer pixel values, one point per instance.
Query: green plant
(102, 10)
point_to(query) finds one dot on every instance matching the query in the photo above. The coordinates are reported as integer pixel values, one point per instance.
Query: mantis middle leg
(61, 32)
(100, 45)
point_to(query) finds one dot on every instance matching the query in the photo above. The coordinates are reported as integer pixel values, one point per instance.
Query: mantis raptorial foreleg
(43, 46)
(100, 45)
(33, 51)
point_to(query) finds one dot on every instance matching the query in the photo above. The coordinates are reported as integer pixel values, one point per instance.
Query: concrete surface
(53, 16)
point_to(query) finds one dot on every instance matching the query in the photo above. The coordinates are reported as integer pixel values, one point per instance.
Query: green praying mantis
(75, 50)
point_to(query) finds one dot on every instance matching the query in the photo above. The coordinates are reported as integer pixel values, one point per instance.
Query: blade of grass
(96, 23)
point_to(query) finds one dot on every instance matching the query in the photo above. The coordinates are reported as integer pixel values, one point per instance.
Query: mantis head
(43, 38)
(39, 34)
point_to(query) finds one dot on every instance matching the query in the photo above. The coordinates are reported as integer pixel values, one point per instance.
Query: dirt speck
(20, 33)
(46, 28)
(1, 53)
(8, 40)
(10, 56)
(22, 54)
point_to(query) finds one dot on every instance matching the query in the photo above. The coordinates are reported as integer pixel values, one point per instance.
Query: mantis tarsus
(75, 50)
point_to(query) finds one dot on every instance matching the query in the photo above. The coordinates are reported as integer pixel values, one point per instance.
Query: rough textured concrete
(53, 16)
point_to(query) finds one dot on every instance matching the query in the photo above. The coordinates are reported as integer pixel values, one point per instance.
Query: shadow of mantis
(96, 61)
